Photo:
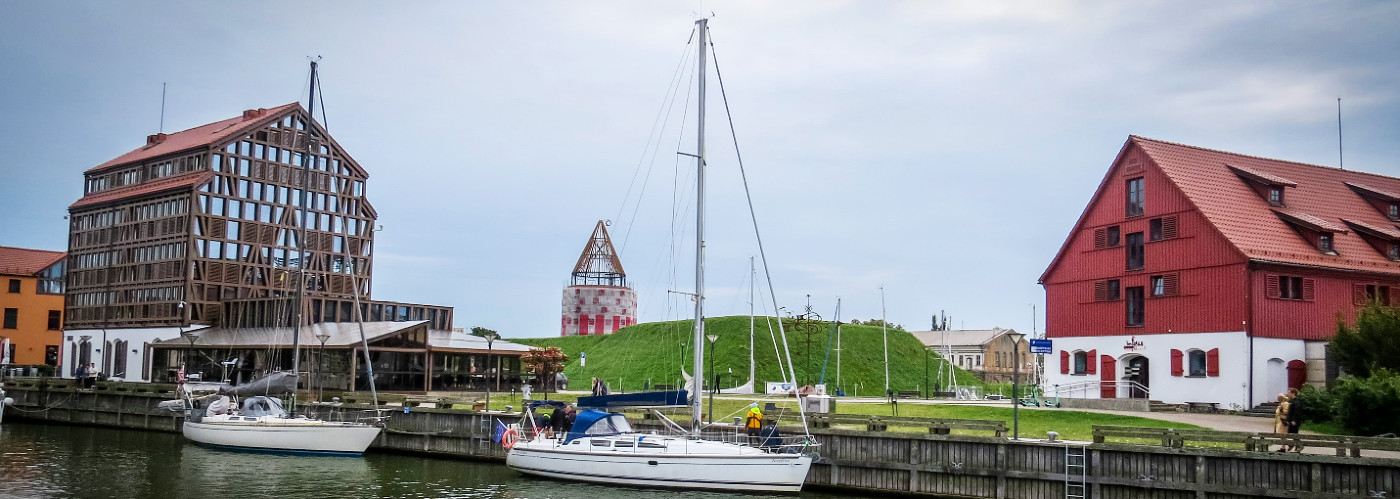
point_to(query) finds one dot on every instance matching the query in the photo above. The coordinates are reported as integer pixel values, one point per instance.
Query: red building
(1196, 275)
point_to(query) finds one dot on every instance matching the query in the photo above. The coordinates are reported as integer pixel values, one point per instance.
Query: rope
(54, 406)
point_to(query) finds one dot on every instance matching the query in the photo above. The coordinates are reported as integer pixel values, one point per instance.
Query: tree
(481, 331)
(545, 363)
(1373, 344)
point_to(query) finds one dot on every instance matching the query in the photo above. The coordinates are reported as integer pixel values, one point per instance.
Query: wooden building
(205, 227)
(32, 305)
(1197, 275)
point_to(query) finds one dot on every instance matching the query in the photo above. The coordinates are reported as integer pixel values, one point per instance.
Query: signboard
(582, 359)
(776, 388)
(1133, 344)
(1041, 346)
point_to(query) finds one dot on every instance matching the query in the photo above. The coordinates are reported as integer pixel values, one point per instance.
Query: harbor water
(46, 460)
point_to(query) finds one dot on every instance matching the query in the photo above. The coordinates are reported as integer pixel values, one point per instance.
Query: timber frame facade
(166, 234)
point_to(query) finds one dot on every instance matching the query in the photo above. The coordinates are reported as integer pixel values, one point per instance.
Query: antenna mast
(1339, 134)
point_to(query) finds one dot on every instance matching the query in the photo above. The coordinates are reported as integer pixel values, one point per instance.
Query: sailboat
(602, 447)
(260, 422)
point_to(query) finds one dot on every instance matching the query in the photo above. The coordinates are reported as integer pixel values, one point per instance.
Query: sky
(906, 158)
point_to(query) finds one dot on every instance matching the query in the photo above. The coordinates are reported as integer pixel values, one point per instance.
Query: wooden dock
(933, 463)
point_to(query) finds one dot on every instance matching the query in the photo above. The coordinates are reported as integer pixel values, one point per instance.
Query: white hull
(285, 435)
(681, 464)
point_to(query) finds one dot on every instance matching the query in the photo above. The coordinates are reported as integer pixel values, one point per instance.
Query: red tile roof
(1322, 197)
(160, 185)
(199, 136)
(26, 262)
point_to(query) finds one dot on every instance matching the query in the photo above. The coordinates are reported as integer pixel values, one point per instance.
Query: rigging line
(671, 89)
(325, 124)
(631, 221)
(767, 273)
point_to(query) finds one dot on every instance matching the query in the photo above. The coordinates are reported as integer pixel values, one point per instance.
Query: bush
(1371, 405)
(1319, 406)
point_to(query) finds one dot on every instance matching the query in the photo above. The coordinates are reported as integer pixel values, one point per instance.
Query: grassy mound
(655, 352)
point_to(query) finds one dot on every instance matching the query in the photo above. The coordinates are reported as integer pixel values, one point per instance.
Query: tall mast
(752, 274)
(301, 236)
(702, 26)
(885, 338)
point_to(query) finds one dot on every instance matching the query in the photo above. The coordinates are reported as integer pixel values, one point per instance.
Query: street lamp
(490, 369)
(320, 367)
(189, 336)
(1015, 384)
(715, 387)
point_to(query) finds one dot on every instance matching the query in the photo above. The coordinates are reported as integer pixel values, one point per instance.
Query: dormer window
(1385, 201)
(1266, 185)
(1276, 196)
(1324, 243)
(1394, 253)
(1317, 231)
(1394, 211)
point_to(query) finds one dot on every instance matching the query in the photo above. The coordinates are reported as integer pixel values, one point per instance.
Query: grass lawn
(1071, 425)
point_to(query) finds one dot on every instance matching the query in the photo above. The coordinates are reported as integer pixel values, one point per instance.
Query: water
(38, 460)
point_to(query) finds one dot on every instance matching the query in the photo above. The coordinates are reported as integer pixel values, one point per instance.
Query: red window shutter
(1100, 238)
(1171, 284)
(1100, 290)
(1108, 389)
(1358, 294)
(1213, 362)
(1271, 286)
(1064, 362)
(1176, 362)
(1091, 366)
(1308, 289)
(1169, 227)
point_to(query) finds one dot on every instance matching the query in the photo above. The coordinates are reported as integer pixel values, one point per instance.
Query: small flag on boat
(500, 430)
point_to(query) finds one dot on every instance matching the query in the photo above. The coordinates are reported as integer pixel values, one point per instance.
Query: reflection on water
(76, 461)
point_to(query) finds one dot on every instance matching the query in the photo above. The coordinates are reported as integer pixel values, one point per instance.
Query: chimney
(254, 113)
(155, 139)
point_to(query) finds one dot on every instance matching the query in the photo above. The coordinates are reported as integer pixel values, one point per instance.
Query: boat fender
(508, 438)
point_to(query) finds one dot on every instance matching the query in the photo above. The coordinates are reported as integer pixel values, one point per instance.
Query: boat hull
(765, 472)
(330, 438)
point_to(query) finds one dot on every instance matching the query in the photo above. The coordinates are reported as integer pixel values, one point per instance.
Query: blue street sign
(1041, 346)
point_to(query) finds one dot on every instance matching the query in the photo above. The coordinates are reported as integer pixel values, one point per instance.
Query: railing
(1121, 389)
(1256, 442)
(882, 423)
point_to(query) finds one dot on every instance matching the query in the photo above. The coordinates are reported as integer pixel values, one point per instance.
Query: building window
(1276, 196)
(1290, 288)
(1394, 252)
(1135, 197)
(1159, 286)
(1115, 290)
(11, 318)
(14, 285)
(1395, 211)
(1081, 362)
(55, 320)
(1135, 254)
(1196, 362)
(1134, 308)
(1113, 236)
(1324, 243)
(1164, 285)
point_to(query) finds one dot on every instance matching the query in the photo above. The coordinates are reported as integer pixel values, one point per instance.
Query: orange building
(32, 303)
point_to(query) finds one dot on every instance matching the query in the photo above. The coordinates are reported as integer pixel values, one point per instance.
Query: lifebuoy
(508, 438)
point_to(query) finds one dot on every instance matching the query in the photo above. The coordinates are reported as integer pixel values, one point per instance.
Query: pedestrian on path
(1295, 416)
(1281, 419)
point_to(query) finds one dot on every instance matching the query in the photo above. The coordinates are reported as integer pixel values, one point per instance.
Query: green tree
(1374, 343)
(481, 331)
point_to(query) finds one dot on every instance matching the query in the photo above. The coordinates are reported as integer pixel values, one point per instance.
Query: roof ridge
(1264, 158)
(29, 249)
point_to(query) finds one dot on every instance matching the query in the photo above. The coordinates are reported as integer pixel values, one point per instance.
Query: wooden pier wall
(876, 462)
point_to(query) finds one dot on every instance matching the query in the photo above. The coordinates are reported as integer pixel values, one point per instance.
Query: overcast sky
(941, 149)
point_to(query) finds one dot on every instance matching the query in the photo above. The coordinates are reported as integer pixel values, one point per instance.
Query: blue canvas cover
(595, 423)
(640, 399)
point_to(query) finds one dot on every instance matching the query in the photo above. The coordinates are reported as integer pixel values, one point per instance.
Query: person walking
(1281, 419)
(1294, 419)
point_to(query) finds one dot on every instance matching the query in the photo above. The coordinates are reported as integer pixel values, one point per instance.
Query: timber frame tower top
(599, 265)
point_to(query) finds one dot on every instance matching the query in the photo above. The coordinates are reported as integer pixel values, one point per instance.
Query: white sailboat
(603, 448)
(261, 423)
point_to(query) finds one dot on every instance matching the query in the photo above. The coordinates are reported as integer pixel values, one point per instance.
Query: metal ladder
(1076, 471)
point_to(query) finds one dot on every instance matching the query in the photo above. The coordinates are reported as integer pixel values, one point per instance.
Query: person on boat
(754, 421)
(559, 421)
(772, 438)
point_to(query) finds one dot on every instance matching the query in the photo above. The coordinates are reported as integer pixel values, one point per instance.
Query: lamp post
(715, 387)
(1015, 384)
(321, 367)
(490, 369)
(189, 336)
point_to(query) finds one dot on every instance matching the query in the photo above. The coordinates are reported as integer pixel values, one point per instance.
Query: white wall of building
(135, 351)
(1231, 389)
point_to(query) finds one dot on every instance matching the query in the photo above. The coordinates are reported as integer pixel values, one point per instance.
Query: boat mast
(752, 274)
(885, 338)
(301, 239)
(699, 340)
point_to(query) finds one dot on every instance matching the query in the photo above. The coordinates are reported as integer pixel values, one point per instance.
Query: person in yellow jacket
(754, 421)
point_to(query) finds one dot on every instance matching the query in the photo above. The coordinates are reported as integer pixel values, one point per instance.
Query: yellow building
(32, 304)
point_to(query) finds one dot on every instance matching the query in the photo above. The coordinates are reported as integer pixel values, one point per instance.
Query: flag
(5, 351)
(500, 430)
